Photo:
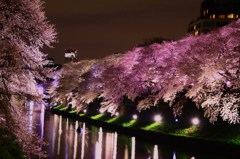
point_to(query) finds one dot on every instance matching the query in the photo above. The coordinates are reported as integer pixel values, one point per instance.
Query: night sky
(101, 27)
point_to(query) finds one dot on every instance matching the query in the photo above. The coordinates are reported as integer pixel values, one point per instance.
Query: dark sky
(101, 27)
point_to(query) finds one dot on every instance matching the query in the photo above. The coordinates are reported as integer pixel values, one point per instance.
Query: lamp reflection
(67, 125)
(111, 145)
(133, 148)
(42, 120)
(98, 146)
(59, 134)
(67, 139)
(54, 133)
(83, 140)
(155, 152)
(126, 152)
(174, 155)
(75, 141)
(115, 146)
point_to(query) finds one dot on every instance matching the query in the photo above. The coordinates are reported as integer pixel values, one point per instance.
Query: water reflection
(133, 148)
(174, 155)
(75, 141)
(98, 145)
(92, 142)
(59, 135)
(42, 120)
(115, 146)
(155, 152)
(83, 131)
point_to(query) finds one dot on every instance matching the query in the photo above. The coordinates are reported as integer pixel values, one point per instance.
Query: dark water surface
(95, 143)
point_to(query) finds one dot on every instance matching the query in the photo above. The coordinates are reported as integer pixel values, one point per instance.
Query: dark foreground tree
(24, 31)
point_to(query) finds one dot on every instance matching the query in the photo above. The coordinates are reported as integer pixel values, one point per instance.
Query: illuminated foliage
(24, 32)
(204, 69)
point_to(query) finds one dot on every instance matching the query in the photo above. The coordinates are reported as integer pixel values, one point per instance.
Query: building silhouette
(70, 55)
(214, 14)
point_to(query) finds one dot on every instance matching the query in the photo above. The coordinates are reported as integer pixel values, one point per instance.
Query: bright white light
(174, 155)
(117, 114)
(135, 116)
(85, 110)
(195, 121)
(83, 141)
(176, 120)
(193, 157)
(133, 150)
(157, 118)
(155, 152)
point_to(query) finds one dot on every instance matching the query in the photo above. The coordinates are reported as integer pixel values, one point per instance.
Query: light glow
(83, 141)
(195, 121)
(135, 116)
(155, 152)
(133, 148)
(157, 118)
(75, 141)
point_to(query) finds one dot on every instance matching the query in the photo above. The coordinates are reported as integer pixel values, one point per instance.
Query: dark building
(70, 55)
(214, 14)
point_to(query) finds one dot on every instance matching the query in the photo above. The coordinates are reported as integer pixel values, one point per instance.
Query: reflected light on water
(98, 146)
(75, 141)
(83, 140)
(126, 152)
(67, 125)
(111, 145)
(64, 143)
(155, 152)
(42, 120)
(54, 132)
(133, 148)
(109, 140)
(60, 125)
(59, 134)
(174, 155)
(97, 151)
(67, 140)
(115, 146)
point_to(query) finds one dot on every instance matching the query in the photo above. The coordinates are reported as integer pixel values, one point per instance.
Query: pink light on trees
(204, 69)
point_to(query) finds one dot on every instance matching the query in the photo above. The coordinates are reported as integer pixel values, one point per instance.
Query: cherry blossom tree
(82, 82)
(203, 69)
(24, 31)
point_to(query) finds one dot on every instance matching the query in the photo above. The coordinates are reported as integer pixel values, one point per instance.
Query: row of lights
(157, 118)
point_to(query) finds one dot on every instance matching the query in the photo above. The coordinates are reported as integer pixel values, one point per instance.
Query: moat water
(96, 143)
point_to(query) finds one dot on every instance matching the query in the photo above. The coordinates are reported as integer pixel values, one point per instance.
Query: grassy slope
(223, 133)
